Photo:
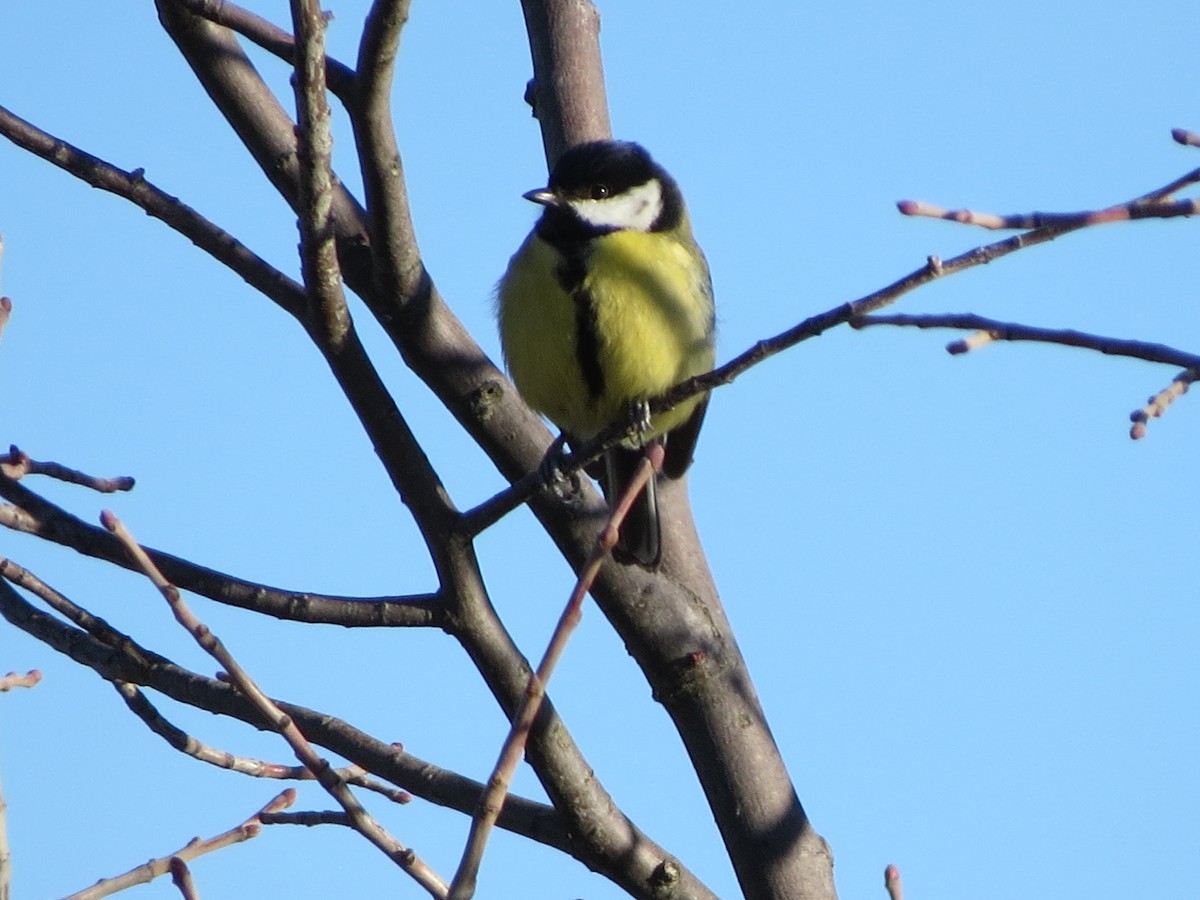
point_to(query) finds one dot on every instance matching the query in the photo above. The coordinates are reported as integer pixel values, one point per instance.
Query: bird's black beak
(542, 196)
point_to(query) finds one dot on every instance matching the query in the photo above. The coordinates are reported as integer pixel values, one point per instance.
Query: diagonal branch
(185, 743)
(131, 663)
(33, 514)
(134, 187)
(149, 871)
(364, 823)
(270, 37)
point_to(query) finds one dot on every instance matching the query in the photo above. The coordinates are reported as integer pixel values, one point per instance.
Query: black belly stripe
(587, 342)
(571, 273)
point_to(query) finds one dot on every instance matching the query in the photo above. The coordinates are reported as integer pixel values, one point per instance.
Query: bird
(607, 304)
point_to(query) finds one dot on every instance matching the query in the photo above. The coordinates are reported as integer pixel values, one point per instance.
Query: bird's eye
(599, 191)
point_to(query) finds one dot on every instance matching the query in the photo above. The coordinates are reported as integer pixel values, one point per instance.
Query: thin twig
(1157, 209)
(34, 514)
(492, 800)
(17, 680)
(194, 848)
(517, 493)
(134, 187)
(181, 875)
(988, 330)
(1013, 331)
(310, 818)
(18, 464)
(364, 823)
(137, 702)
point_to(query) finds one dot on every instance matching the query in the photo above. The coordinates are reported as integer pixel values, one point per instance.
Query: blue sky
(967, 598)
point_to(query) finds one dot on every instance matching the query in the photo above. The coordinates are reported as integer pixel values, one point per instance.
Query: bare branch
(400, 276)
(17, 680)
(329, 320)
(133, 186)
(567, 91)
(135, 664)
(189, 745)
(1124, 212)
(492, 801)
(269, 37)
(33, 514)
(1012, 331)
(364, 823)
(18, 464)
(309, 818)
(156, 867)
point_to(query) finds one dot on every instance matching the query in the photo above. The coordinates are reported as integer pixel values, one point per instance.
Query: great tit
(607, 304)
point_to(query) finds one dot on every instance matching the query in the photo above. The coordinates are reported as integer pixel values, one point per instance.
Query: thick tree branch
(567, 91)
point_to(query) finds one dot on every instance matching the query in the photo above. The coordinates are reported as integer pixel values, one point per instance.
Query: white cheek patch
(635, 210)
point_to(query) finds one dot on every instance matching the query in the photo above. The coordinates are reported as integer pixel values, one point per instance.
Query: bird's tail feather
(640, 539)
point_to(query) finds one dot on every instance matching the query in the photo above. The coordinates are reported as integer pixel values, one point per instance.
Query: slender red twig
(194, 848)
(364, 823)
(492, 799)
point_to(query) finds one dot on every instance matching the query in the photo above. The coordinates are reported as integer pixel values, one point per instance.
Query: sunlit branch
(269, 37)
(364, 823)
(189, 745)
(33, 514)
(134, 187)
(18, 464)
(194, 848)
(492, 801)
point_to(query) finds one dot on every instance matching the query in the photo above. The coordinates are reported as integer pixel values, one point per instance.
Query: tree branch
(194, 848)
(133, 186)
(18, 464)
(126, 661)
(270, 37)
(33, 514)
(364, 823)
(141, 707)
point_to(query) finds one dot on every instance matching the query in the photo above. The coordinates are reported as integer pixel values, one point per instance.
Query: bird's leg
(639, 422)
(563, 487)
